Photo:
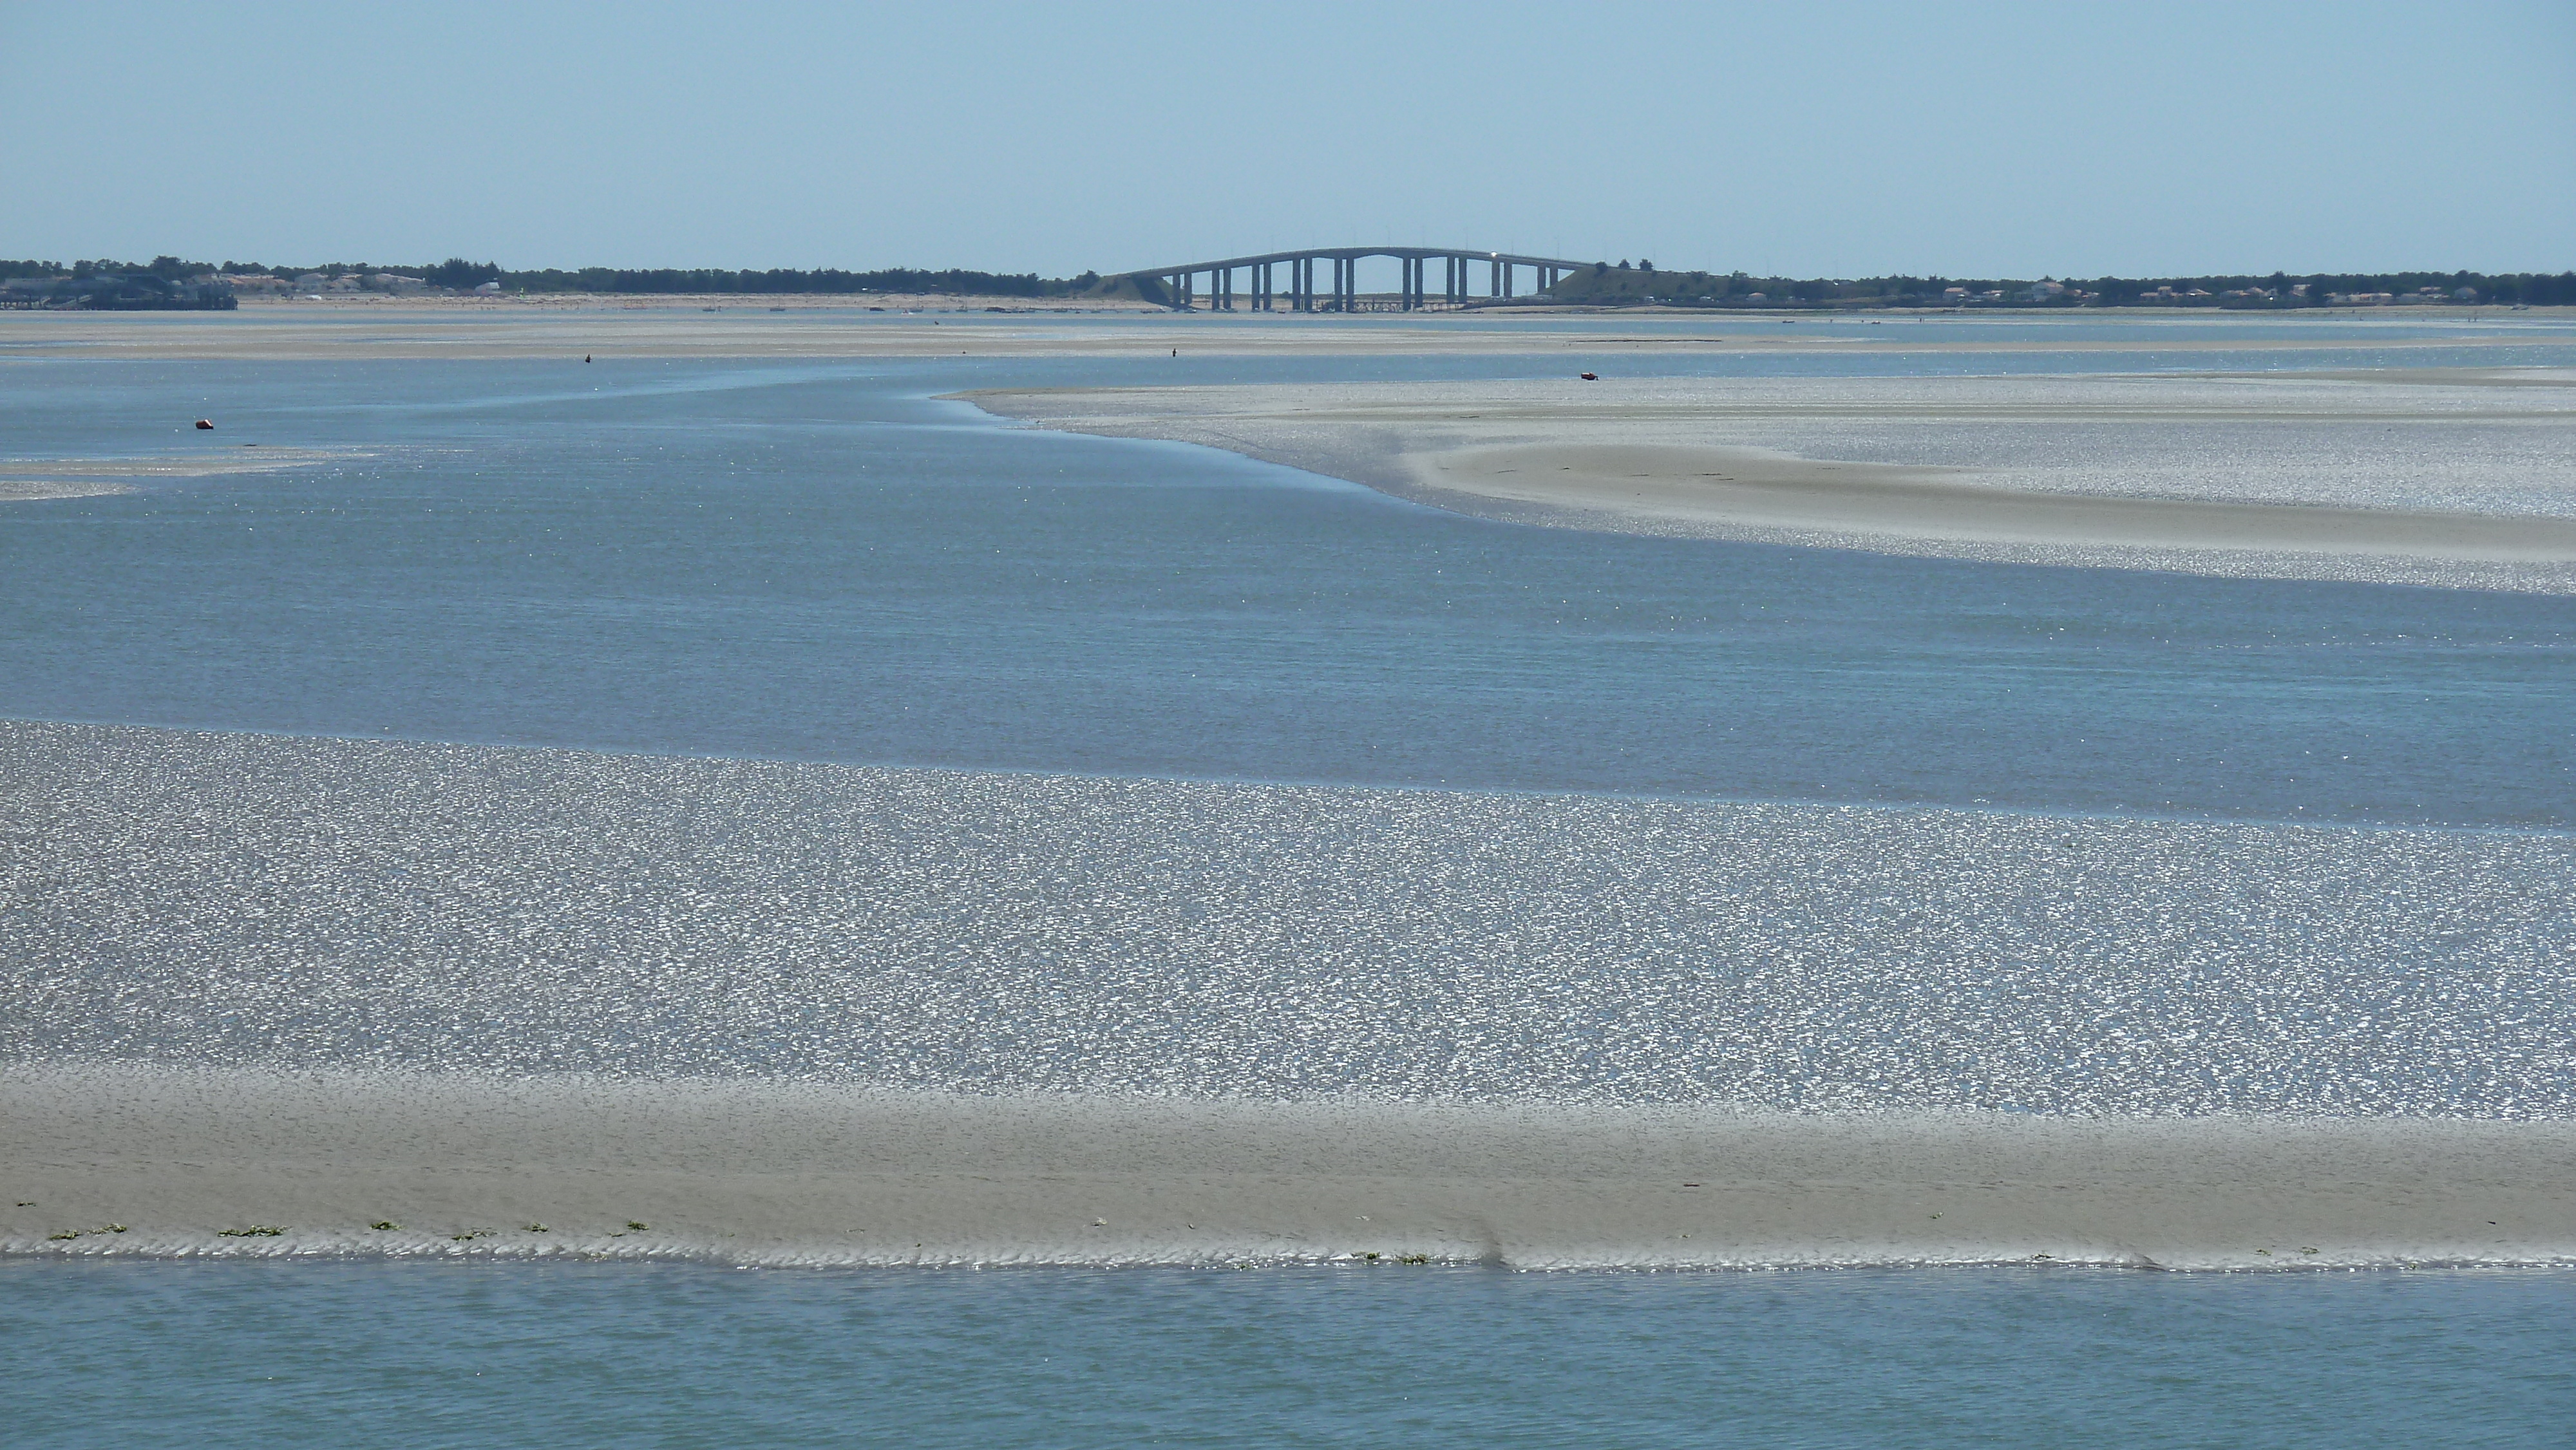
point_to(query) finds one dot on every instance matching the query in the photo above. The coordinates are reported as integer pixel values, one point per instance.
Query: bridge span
(1178, 286)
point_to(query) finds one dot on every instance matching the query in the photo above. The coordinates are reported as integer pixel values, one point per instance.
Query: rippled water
(279, 1355)
(817, 562)
(255, 900)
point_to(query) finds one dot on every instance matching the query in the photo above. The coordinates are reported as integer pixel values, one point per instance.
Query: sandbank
(2287, 475)
(175, 1161)
(569, 327)
(34, 478)
(1760, 490)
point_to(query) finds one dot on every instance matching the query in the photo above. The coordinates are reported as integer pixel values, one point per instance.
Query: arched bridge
(1178, 286)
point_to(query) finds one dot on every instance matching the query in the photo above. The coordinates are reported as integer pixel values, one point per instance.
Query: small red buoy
(1589, 377)
(202, 423)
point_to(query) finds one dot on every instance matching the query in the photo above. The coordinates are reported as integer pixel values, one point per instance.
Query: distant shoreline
(570, 326)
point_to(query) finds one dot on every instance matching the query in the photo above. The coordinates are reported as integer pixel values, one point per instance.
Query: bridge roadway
(1179, 284)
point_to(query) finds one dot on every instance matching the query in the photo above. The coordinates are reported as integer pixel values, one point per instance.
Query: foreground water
(671, 1356)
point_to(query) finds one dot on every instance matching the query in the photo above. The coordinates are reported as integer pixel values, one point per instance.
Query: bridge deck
(1353, 254)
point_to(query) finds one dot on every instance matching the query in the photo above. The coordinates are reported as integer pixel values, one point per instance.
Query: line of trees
(168, 269)
(1624, 283)
(780, 280)
(464, 275)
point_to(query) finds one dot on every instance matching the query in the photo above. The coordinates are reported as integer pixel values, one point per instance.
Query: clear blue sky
(1837, 139)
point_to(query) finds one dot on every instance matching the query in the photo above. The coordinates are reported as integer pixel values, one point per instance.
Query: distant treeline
(2280, 289)
(954, 281)
(1603, 283)
(168, 269)
(462, 275)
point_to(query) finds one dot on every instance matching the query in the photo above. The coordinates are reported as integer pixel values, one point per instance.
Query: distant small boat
(205, 423)
(1589, 377)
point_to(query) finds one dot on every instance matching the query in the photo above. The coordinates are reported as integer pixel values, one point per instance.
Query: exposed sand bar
(30, 478)
(568, 328)
(1756, 489)
(2420, 476)
(186, 1161)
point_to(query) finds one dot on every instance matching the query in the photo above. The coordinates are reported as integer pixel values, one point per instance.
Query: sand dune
(175, 1161)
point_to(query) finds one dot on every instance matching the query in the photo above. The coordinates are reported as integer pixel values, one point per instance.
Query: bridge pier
(1307, 292)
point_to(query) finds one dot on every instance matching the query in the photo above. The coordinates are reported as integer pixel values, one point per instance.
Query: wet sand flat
(1761, 490)
(2415, 476)
(667, 327)
(178, 1161)
(33, 478)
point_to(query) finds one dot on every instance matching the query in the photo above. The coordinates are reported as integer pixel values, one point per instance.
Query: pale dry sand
(34, 478)
(2287, 475)
(129, 1160)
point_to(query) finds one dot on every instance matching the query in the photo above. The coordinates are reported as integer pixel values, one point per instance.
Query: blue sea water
(216, 1355)
(824, 562)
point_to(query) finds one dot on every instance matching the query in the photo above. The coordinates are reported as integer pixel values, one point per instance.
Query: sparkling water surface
(422, 1355)
(263, 901)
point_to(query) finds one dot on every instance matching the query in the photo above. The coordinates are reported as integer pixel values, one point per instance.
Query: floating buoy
(203, 423)
(585, 357)
(1589, 377)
